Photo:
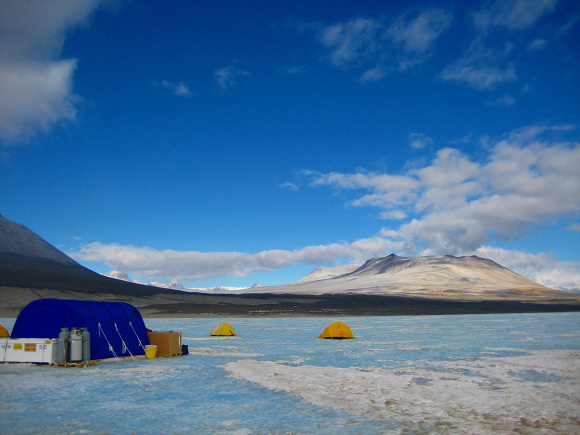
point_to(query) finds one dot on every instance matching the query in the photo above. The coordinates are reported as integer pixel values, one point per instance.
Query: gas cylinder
(76, 345)
(86, 344)
(62, 346)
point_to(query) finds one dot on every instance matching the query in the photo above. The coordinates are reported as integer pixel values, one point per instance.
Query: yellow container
(150, 351)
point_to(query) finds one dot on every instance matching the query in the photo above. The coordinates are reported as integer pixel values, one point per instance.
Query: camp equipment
(150, 351)
(62, 346)
(116, 328)
(30, 350)
(223, 329)
(337, 330)
(4, 332)
(86, 344)
(76, 345)
(168, 342)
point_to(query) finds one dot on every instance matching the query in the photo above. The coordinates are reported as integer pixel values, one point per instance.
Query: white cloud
(351, 41)
(179, 89)
(486, 63)
(543, 268)
(513, 14)
(386, 190)
(506, 100)
(538, 44)
(394, 214)
(293, 70)
(290, 186)
(416, 35)
(35, 96)
(419, 141)
(193, 265)
(457, 205)
(36, 87)
(378, 46)
(481, 67)
(228, 76)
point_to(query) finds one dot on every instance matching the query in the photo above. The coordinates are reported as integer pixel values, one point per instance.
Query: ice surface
(428, 374)
(481, 395)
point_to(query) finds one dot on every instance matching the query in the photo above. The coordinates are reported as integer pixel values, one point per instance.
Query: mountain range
(31, 268)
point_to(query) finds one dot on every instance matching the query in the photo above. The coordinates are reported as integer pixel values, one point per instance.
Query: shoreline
(191, 305)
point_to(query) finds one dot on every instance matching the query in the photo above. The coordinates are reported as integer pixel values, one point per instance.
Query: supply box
(28, 350)
(168, 342)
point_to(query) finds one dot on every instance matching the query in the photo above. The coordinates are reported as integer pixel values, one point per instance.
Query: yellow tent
(4, 332)
(337, 330)
(223, 329)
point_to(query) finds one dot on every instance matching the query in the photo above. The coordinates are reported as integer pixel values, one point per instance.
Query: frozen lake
(423, 374)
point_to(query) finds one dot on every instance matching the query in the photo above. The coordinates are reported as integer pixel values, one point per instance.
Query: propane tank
(76, 345)
(62, 346)
(86, 344)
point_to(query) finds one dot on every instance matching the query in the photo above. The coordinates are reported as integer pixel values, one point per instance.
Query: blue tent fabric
(116, 328)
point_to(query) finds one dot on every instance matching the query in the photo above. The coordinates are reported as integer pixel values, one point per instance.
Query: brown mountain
(432, 276)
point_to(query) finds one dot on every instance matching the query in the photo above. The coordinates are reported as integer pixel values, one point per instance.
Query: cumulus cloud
(36, 85)
(193, 265)
(543, 267)
(378, 45)
(456, 205)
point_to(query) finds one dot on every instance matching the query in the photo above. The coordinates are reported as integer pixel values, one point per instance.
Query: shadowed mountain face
(18, 240)
(29, 261)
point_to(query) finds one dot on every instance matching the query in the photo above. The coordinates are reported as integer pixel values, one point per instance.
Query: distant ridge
(31, 268)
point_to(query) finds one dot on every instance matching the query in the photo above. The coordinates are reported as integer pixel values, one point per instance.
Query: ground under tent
(116, 328)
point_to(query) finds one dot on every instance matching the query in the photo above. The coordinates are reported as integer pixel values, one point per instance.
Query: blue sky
(232, 143)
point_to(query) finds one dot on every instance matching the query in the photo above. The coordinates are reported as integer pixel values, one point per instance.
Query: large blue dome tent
(117, 328)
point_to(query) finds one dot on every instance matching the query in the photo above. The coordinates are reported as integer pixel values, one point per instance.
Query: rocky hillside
(29, 261)
(432, 276)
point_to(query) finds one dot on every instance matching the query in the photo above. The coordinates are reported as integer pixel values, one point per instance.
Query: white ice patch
(212, 351)
(536, 393)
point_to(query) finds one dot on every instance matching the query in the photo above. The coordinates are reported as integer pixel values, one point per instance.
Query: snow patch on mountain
(118, 275)
(329, 272)
(176, 285)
